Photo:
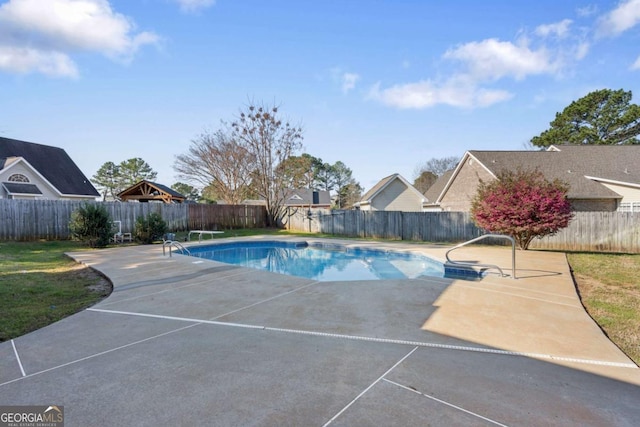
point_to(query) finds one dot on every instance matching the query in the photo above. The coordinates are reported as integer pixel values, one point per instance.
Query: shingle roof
(434, 191)
(573, 164)
(21, 188)
(383, 183)
(167, 190)
(53, 163)
(305, 197)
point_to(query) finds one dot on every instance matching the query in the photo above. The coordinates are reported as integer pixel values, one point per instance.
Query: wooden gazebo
(147, 191)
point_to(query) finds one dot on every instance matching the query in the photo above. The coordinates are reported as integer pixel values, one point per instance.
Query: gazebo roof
(146, 191)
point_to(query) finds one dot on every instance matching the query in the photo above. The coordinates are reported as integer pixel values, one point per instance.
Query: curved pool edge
(415, 263)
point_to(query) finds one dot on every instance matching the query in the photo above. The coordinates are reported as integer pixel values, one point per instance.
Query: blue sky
(382, 86)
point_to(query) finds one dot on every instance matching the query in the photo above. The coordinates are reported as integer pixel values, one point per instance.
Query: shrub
(151, 228)
(91, 224)
(523, 205)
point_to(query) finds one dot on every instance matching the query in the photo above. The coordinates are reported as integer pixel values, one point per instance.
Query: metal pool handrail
(496, 236)
(172, 243)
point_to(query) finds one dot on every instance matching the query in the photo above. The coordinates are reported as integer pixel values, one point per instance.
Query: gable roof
(53, 163)
(434, 191)
(147, 190)
(384, 183)
(583, 167)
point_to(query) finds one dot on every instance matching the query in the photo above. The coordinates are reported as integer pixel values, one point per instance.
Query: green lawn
(609, 286)
(40, 285)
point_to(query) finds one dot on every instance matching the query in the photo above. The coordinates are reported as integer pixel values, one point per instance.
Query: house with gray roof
(600, 177)
(309, 198)
(36, 171)
(392, 193)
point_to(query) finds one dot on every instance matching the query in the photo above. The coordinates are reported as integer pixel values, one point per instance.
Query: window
(629, 207)
(18, 177)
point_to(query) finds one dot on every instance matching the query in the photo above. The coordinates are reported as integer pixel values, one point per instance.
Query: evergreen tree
(602, 117)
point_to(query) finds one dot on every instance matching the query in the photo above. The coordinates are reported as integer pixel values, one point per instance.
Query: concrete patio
(182, 341)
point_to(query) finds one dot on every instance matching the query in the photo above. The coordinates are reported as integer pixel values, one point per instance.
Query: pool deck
(184, 341)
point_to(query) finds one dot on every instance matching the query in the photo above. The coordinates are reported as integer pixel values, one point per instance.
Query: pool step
(463, 272)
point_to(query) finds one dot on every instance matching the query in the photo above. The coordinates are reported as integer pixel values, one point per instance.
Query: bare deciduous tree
(218, 161)
(270, 142)
(437, 166)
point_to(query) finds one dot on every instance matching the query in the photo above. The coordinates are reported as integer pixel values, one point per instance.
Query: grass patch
(610, 291)
(39, 285)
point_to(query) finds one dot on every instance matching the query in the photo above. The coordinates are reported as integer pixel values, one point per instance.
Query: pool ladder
(173, 243)
(470, 265)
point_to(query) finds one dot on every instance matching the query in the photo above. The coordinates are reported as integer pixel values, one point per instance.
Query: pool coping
(448, 270)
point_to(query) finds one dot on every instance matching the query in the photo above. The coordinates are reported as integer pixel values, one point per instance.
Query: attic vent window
(18, 177)
(295, 197)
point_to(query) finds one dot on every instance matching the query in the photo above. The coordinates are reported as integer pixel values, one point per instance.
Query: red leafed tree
(522, 204)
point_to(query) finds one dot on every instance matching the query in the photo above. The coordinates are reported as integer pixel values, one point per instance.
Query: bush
(522, 204)
(150, 229)
(91, 224)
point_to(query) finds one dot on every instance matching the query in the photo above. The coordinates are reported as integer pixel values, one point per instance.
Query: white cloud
(56, 28)
(587, 11)
(620, 19)
(581, 50)
(458, 91)
(636, 65)
(485, 62)
(479, 66)
(194, 5)
(349, 81)
(24, 60)
(493, 59)
(558, 29)
(345, 79)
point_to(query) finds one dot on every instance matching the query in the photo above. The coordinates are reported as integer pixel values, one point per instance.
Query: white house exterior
(35, 171)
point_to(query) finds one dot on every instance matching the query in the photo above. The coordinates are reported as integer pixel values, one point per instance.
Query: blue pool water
(320, 261)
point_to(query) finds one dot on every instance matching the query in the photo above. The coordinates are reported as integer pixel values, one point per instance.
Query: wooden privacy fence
(49, 219)
(419, 226)
(214, 217)
(588, 231)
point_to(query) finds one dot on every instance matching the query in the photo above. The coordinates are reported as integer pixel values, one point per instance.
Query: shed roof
(14, 188)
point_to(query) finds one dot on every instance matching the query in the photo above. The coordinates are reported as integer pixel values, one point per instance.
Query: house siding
(396, 197)
(464, 187)
(629, 194)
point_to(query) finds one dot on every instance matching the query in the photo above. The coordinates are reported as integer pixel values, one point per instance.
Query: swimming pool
(323, 262)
